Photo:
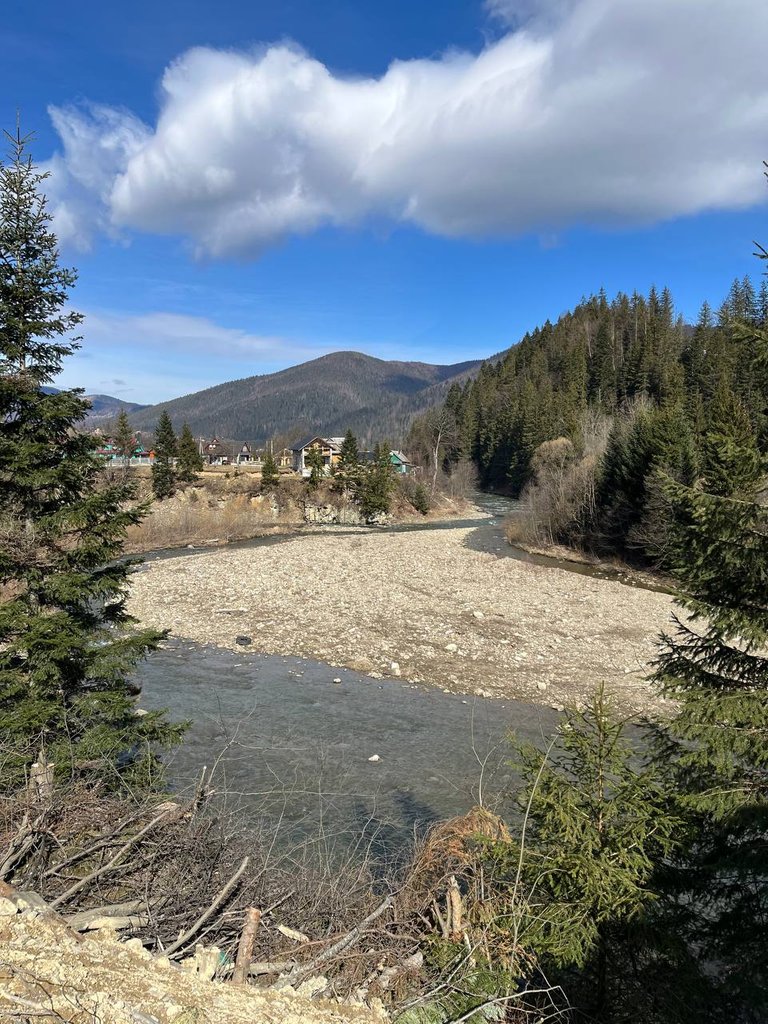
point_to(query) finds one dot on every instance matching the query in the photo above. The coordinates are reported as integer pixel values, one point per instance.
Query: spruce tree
(715, 667)
(314, 459)
(190, 461)
(124, 439)
(67, 644)
(348, 469)
(166, 447)
(270, 475)
(375, 494)
(597, 822)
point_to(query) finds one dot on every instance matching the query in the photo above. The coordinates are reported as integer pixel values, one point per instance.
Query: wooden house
(329, 447)
(216, 453)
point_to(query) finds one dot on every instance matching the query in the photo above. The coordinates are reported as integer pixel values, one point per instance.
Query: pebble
(336, 679)
(375, 757)
(541, 685)
(243, 641)
(451, 648)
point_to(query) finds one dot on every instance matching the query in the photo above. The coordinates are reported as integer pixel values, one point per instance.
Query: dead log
(245, 948)
(261, 967)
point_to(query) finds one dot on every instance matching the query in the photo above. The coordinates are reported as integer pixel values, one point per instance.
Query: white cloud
(613, 113)
(157, 356)
(171, 334)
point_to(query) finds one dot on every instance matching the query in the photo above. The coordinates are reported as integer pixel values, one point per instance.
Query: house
(329, 447)
(245, 454)
(216, 453)
(401, 463)
(284, 459)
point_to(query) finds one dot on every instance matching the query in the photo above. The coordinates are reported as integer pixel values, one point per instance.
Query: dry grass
(218, 511)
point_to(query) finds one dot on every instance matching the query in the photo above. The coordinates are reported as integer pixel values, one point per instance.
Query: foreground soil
(421, 606)
(48, 973)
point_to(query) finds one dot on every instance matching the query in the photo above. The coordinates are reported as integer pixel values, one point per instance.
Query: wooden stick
(301, 970)
(245, 949)
(220, 897)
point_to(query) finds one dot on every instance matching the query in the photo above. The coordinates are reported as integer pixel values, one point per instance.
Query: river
(289, 741)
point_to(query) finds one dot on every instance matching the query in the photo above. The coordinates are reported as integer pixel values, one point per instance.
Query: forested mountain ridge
(624, 381)
(103, 407)
(374, 397)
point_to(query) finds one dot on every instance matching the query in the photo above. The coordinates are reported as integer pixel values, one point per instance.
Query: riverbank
(416, 605)
(221, 509)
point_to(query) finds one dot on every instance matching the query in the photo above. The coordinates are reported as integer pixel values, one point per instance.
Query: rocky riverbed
(421, 606)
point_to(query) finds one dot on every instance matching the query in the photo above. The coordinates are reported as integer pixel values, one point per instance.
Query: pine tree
(597, 824)
(714, 665)
(378, 483)
(347, 476)
(166, 446)
(67, 644)
(314, 459)
(190, 461)
(124, 439)
(270, 475)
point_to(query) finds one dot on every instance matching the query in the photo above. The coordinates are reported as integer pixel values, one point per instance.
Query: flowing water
(289, 740)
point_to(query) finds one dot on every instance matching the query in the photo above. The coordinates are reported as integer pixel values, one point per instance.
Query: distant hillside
(374, 397)
(103, 407)
(106, 407)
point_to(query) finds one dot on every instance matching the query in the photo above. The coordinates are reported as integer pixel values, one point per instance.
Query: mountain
(103, 407)
(376, 398)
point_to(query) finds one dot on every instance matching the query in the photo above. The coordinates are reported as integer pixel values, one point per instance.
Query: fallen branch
(265, 967)
(302, 970)
(184, 938)
(84, 920)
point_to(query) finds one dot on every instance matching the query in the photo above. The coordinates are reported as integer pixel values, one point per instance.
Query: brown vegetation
(559, 502)
(191, 885)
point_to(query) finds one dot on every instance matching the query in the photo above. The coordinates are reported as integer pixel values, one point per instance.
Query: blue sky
(246, 185)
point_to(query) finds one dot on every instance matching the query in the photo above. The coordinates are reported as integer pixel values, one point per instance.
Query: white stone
(541, 685)
(336, 679)
(478, 615)
(451, 648)
(374, 757)
(394, 668)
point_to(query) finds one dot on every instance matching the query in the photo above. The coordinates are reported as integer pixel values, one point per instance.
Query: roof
(330, 441)
(401, 458)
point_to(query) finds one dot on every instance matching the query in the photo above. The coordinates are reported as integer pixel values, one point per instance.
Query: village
(218, 453)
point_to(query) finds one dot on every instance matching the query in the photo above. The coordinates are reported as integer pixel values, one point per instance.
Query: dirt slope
(48, 973)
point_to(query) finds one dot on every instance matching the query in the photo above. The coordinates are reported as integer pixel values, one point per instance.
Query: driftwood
(184, 938)
(302, 971)
(84, 921)
(245, 948)
(260, 967)
(24, 840)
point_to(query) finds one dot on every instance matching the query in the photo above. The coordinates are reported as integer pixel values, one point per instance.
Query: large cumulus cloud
(597, 111)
